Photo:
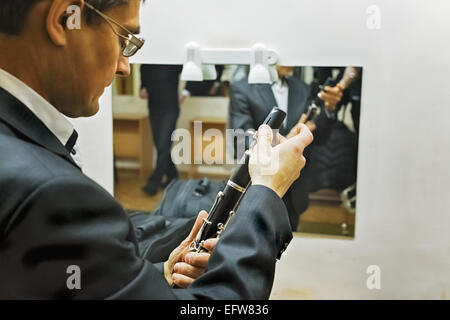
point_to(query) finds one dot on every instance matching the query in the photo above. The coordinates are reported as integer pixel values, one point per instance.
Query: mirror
(173, 150)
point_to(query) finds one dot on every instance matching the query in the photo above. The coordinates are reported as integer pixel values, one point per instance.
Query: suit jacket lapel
(266, 93)
(22, 119)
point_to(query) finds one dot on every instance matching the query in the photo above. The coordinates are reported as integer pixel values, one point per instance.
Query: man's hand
(184, 266)
(182, 96)
(295, 129)
(214, 88)
(331, 96)
(278, 167)
(143, 93)
(181, 99)
(350, 75)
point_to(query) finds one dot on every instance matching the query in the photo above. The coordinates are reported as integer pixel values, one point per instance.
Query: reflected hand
(295, 129)
(181, 99)
(350, 75)
(143, 93)
(214, 89)
(184, 266)
(331, 96)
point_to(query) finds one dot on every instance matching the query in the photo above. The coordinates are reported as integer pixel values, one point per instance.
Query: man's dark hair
(14, 13)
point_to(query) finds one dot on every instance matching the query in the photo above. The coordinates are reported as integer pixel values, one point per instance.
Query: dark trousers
(163, 118)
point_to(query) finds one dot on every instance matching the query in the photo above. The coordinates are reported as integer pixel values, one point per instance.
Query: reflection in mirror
(176, 143)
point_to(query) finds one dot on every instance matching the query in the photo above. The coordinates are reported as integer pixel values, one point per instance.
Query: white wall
(96, 143)
(403, 209)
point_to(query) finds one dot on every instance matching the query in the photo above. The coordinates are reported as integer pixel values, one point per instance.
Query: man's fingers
(197, 259)
(210, 244)
(197, 225)
(302, 139)
(335, 90)
(188, 270)
(330, 97)
(302, 118)
(265, 137)
(305, 135)
(280, 138)
(311, 125)
(262, 150)
(181, 280)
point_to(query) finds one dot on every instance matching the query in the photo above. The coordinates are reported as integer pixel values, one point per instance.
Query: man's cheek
(111, 72)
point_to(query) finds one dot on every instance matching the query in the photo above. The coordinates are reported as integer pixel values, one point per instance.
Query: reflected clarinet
(314, 108)
(227, 200)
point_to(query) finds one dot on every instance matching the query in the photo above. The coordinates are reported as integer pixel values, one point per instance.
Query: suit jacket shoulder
(24, 167)
(54, 217)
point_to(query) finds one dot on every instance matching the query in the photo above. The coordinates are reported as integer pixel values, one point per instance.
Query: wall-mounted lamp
(192, 68)
(209, 72)
(200, 63)
(273, 72)
(259, 66)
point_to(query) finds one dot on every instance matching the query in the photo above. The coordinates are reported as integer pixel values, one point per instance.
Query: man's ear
(58, 13)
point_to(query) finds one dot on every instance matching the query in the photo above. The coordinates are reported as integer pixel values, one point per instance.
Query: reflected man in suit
(159, 84)
(250, 103)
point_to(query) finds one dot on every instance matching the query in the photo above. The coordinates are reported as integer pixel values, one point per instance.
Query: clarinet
(314, 109)
(227, 200)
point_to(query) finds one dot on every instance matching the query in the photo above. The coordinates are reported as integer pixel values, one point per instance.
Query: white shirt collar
(48, 114)
(279, 84)
(281, 93)
(54, 120)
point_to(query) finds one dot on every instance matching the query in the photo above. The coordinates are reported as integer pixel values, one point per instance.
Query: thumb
(302, 139)
(197, 225)
(265, 137)
(302, 118)
(263, 148)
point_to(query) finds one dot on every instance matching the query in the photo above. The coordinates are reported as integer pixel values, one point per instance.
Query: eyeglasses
(130, 44)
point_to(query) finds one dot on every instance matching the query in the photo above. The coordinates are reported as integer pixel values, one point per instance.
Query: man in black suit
(159, 84)
(249, 104)
(54, 220)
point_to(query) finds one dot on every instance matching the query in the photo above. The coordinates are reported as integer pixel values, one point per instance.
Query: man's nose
(123, 67)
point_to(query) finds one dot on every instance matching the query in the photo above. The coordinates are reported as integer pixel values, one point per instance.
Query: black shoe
(150, 190)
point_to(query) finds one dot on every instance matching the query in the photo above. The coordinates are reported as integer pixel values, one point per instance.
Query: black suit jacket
(52, 216)
(249, 106)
